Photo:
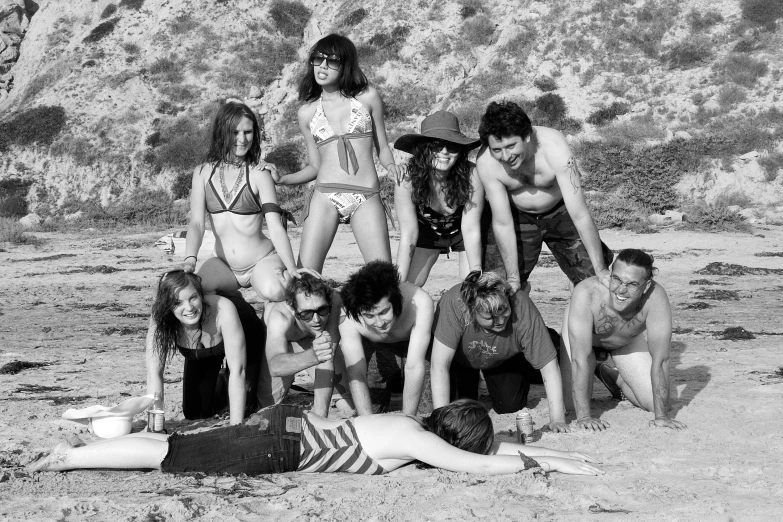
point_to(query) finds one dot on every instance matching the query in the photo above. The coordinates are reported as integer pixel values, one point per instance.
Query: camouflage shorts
(555, 228)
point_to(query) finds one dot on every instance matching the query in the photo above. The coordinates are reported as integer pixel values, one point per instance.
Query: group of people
(617, 325)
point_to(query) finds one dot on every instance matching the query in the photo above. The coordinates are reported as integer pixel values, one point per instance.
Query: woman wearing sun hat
(440, 201)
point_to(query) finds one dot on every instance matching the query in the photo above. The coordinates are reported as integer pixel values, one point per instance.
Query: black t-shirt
(525, 333)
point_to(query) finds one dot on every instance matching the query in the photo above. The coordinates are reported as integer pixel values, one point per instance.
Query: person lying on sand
(393, 320)
(631, 320)
(205, 330)
(302, 334)
(458, 437)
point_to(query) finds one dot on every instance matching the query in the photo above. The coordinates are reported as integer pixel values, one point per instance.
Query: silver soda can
(524, 427)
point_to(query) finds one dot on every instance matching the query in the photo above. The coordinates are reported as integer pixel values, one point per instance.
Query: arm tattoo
(412, 251)
(573, 174)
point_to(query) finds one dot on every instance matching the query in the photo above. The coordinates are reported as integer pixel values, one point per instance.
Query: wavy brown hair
(166, 299)
(223, 139)
(458, 189)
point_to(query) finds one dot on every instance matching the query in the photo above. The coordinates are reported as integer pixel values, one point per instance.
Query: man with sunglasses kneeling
(302, 334)
(632, 321)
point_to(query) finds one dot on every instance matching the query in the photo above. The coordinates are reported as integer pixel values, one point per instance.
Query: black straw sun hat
(440, 125)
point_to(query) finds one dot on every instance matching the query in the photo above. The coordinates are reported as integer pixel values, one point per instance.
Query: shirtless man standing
(392, 319)
(302, 334)
(631, 320)
(535, 191)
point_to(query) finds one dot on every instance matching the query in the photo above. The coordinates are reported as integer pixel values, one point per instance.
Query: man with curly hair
(393, 321)
(534, 188)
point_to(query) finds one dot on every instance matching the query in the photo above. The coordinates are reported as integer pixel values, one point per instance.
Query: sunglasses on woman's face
(452, 148)
(307, 315)
(331, 63)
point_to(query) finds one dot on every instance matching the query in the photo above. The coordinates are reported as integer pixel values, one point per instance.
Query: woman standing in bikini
(235, 188)
(440, 201)
(341, 121)
(457, 437)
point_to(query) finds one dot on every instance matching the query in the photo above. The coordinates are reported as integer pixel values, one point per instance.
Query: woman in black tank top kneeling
(205, 330)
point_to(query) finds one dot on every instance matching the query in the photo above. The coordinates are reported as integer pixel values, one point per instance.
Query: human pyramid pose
(380, 332)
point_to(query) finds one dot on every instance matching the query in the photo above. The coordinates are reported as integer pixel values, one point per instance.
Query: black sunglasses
(331, 63)
(307, 315)
(453, 148)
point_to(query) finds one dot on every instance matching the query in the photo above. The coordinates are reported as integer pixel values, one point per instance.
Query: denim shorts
(269, 441)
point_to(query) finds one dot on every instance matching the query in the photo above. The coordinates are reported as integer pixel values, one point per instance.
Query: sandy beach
(77, 307)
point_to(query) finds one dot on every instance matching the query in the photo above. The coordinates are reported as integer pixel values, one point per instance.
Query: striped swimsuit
(334, 450)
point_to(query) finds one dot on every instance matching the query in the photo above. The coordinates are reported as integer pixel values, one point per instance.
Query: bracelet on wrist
(188, 257)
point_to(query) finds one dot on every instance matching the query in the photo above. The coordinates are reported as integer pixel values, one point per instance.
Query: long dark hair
(166, 299)
(465, 424)
(458, 189)
(352, 80)
(223, 140)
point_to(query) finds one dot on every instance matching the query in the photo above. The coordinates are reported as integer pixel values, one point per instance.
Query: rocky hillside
(101, 96)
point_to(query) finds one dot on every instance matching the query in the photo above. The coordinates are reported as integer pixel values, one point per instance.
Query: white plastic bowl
(109, 427)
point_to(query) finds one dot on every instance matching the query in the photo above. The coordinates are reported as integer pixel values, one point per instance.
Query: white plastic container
(110, 427)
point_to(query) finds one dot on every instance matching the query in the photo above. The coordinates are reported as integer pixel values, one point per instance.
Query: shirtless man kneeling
(392, 320)
(632, 320)
(302, 334)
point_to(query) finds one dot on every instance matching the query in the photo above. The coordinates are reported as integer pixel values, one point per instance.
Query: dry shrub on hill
(771, 163)
(638, 129)
(39, 125)
(730, 95)
(406, 100)
(290, 17)
(108, 11)
(741, 69)
(256, 61)
(478, 30)
(12, 232)
(13, 194)
(689, 52)
(762, 12)
(701, 21)
(352, 18)
(132, 4)
(101, 31)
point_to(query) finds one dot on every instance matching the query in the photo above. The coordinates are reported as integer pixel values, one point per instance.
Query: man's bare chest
(612, 331)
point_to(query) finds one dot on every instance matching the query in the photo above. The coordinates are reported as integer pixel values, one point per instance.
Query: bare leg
(373, 234)
(216, 276)
(270, 278)
(137, 451)
(421, 264)
(634, 362)
(318, 232)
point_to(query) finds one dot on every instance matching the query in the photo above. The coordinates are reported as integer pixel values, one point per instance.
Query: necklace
(228, 194)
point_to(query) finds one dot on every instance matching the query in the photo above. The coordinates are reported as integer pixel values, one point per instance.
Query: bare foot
(55, 461)
(343, 406)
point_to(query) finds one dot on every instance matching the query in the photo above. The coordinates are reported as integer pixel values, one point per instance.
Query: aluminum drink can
(524, 427)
